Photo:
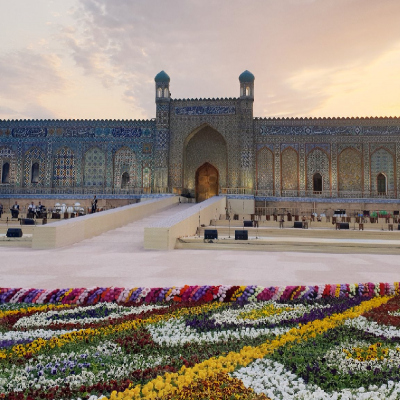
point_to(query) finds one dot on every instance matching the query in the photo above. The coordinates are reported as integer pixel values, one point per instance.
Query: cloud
(305, 54)
(205, 45)
(26, 77)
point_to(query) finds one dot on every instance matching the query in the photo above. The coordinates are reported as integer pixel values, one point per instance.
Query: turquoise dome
(246, 76)
(162, 77)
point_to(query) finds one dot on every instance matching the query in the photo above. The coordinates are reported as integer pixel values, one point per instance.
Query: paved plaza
(117, 258)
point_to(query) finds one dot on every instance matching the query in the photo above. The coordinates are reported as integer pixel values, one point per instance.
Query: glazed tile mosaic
(201, 342)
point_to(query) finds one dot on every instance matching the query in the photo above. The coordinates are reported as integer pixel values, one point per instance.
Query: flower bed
(199, 342)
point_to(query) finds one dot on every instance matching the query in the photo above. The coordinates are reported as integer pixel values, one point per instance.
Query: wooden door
(206, 182)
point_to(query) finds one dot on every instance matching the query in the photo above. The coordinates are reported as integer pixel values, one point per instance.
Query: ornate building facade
(203, 147)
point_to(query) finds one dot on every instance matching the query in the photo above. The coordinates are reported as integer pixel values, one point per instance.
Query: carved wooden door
(206, 182)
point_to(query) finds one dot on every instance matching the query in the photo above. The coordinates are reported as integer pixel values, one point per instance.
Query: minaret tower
(162, 87)
(246, 80)
(162, 130)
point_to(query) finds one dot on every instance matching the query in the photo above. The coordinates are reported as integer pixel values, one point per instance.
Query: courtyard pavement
(117, 258)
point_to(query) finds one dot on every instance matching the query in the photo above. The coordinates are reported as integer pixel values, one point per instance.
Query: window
(381, 180)
(166, 92)
(125, 180)
(247, 91)
(317, 182)
(35, 173)
(5, 173)
(159, 92)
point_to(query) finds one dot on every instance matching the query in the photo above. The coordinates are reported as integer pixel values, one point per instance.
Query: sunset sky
(87, 59)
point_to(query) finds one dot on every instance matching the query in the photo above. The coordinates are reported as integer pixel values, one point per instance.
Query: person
(256, 220)
(1, 209)
(94, 204)
(15, 210)
(39, 209)
(31, 210)
(281, 222)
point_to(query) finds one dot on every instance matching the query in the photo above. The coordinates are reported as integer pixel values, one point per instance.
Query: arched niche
(204, 145)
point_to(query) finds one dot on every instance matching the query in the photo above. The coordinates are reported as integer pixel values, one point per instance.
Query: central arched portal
(206, 182)
(205, 163)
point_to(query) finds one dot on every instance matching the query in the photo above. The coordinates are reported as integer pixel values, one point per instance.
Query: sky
(97, 59)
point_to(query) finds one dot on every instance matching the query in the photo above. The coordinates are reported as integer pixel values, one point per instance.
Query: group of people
(33, 210)
(36, 210)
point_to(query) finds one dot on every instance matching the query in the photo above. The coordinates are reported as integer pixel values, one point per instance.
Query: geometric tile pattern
(32, 156)
(64, 167)
(382, 161)
(318, 162)
(265, 169)
(290, 169)
(8, 156)
(124, 162)
(350, 170)
(94, 172)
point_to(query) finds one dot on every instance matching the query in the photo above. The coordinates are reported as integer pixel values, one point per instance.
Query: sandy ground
(117, 258)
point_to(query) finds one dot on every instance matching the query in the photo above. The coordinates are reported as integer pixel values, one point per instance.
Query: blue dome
(246, 76)
(162, 77)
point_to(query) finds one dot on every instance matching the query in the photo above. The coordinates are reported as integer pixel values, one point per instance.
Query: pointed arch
(125, 162)
(94, 167)
(5, 173)
(34, 167)
(64, 167)
(289, 169)
(318, 183)
(382, 162)
(204, 145)
(318, 162)
(7, 165)
(265, 169)
(381, 183)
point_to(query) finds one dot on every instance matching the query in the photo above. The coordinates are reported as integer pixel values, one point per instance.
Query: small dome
(246, 76)
(162, 77)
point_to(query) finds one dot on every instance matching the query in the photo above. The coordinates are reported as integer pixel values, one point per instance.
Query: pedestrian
(94, 204)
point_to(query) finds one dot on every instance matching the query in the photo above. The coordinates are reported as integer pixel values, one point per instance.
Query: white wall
(162, 235)
(239, 206)
(67, 232)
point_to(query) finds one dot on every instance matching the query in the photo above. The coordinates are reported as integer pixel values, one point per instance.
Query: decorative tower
(162, 87)
(246, 80)
(162, 131)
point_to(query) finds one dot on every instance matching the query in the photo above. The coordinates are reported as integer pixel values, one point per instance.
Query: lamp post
(229, 219)
(199, 221)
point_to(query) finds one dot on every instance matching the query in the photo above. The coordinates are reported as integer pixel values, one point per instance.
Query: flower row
(221, 293)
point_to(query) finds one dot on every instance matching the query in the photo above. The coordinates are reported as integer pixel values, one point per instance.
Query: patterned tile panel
(32, 156)
(382, 161)
(8, 156)
(318, 162)
(64, 167)
(205, 110)
(94, 170)
(125, 162)
(265, 169)
(290, 169)
(350, 175)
